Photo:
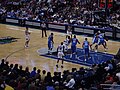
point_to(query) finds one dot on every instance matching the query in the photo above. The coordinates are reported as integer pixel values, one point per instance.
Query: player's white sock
(105, 49)
(50, 51)
(85, 59)
(26, 46)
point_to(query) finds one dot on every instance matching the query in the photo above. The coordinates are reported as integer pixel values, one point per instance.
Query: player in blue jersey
(85, 46)
(101, 41)
(94, 40)
(74, 42)
(50, 43)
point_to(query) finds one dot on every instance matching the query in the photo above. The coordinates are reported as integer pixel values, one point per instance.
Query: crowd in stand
(14, 77)
(78, 12)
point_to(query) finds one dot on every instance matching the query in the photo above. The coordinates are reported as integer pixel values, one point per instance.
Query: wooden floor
(16, 53)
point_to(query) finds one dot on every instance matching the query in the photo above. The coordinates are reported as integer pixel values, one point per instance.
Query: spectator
(2, 63)
(20, 71)
(43, 75)
(70, 84)
(37, 75)
(55, 77)
(27, 73)
(33, 73)
(48, 78)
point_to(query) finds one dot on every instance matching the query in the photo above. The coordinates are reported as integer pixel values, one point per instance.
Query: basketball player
(101, 41)
(27, 36)
(69, 31)
(94, 40)
(60, 51)
(74, 42)
(50, 43)
(85, 46)
(66, 43)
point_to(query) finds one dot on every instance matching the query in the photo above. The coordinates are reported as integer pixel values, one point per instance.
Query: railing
(110, 87)
(113, 33)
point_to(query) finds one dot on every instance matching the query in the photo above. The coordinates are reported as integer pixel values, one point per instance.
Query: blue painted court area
(95, 57)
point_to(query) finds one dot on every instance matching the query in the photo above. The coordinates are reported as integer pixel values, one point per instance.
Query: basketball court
(35, 55)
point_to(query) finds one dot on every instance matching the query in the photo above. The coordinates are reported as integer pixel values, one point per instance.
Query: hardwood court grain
(16, 53)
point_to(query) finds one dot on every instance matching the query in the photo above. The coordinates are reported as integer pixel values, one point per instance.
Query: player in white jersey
(27, 37)
(66, 43)
(60, 51)
(69, 31)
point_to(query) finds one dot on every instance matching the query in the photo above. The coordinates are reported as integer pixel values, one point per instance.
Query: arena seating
(97, 77)
(82, 12)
